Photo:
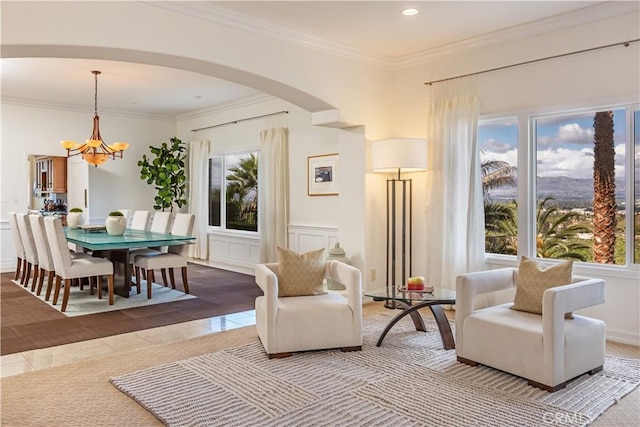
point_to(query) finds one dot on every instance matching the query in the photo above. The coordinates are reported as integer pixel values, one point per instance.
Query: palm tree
(242, 191)
(499, 218)
(557, 233)
(497, 173)
(604, 189)
(501, 229)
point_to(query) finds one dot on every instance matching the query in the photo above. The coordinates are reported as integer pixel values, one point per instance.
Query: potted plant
(75, 218)
(116, 223)
(167, 172)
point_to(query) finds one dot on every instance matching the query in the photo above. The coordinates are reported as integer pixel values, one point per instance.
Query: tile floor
(33, 360)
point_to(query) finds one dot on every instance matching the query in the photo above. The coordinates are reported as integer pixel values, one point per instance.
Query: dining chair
(45, 258)
(139, 220)
(127, 215)
(30, 250)
(160, 223)
(19, 247)
(68, 268)
(175, 257)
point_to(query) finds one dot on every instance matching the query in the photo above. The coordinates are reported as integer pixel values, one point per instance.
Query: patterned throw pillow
(300, 274)
(534, 279)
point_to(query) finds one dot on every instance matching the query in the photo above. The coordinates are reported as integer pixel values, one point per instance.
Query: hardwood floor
(27, 323)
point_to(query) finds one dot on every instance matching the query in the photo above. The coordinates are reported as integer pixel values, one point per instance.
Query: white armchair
(546, 349)
(302, 323)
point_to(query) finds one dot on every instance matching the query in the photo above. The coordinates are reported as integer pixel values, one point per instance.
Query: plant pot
(116, 225)
(75, 219)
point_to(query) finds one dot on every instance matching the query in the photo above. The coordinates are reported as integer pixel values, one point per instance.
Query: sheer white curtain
(198, 191)
(455, 213)
(274, 185)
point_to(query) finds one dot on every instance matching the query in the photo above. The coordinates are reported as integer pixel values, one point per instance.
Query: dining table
(97, 241)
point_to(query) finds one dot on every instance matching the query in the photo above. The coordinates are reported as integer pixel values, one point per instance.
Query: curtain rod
(625, 44)
(240, 120)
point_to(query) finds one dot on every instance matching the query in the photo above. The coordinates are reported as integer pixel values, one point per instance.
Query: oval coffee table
(411, 302)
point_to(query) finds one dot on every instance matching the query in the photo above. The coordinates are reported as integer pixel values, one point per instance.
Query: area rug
(408, 381)
(82, 303)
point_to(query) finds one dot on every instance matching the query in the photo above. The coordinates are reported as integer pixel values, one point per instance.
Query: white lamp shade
(404, 154)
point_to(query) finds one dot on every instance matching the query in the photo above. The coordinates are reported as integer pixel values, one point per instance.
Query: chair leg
(27, 275)
(185, 283)
(138, 279)
(150, 279)
(172, 278)
(25, 266)
(18, 269)
(99, 286)
(57, 291)
(40, 282)
(467, 361)
(36, 276)
(67, 291)
(110, 287)
(279, 355)
(50, 278)
(163, 271)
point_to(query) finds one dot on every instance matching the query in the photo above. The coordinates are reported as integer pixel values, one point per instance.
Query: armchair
(546, 349)
(301, 323)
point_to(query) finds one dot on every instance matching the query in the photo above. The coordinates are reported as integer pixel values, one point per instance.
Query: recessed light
(409, 11)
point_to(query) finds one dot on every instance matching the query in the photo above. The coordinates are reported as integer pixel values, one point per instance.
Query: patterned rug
(408, 381)
(81, 302)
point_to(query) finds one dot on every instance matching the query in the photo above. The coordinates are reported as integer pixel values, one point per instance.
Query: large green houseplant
(167, 172)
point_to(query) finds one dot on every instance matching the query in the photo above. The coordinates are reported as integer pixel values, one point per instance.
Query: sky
(564, 145)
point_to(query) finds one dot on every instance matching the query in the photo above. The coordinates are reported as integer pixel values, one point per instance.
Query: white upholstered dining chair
(19, 247)
(68, 268)
(140, 220)
(175, 257)
(30, 250)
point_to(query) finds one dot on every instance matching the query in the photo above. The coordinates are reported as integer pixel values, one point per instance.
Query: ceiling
(366, 30)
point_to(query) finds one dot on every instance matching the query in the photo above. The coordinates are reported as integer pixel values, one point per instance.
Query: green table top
(130, 239)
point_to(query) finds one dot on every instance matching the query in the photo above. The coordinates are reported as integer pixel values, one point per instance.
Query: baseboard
(623, 337)
(225, 266)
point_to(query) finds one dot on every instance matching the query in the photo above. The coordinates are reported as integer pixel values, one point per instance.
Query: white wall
(304, 140)
(592, 79)
(37, 130)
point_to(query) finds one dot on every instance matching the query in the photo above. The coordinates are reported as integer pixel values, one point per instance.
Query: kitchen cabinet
(51, 174)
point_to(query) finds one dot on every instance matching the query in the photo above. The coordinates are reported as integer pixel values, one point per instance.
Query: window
(498, 142)
(582, 181)
(234, 179)
(580, 186)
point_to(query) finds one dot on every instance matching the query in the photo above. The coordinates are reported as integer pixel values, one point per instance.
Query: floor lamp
(397, 156)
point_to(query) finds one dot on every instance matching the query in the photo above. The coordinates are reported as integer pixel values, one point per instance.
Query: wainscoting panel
(235, 253)
(305, 238)
(7, 248)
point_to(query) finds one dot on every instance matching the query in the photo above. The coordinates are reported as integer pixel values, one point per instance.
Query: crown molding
(75, 108)
(209, 12)
(231, 105)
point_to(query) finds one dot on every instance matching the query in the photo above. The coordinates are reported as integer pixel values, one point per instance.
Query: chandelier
(94, 150)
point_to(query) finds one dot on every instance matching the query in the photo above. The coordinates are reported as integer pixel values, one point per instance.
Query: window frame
(222, 229)
(527, 191)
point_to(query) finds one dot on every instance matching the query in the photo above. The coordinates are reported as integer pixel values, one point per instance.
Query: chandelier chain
(95, 74)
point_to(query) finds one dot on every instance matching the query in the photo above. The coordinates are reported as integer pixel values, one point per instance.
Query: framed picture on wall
(322, 175)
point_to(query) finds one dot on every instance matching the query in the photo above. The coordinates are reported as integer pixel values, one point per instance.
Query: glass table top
(438, 294)
(130, 239)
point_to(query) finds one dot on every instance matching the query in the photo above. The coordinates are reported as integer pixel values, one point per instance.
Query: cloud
(573, 163)
(574, 133)
(495, 146)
